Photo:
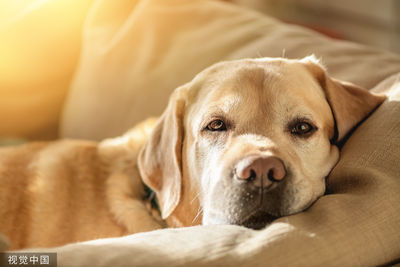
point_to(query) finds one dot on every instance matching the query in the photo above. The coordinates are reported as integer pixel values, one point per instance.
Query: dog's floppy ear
(350, 104)
(160, 159)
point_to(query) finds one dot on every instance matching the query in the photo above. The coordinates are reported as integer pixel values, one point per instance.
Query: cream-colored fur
(67, 191)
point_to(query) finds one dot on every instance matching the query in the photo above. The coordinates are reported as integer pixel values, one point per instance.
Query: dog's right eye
(216, 125)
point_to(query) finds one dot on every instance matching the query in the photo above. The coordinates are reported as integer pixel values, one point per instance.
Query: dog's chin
(258, 220)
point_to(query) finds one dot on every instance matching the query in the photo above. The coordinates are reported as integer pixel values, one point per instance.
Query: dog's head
(250, 140)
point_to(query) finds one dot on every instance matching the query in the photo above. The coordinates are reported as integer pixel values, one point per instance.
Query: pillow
(135, 53)
(356, 224)
(39, 50)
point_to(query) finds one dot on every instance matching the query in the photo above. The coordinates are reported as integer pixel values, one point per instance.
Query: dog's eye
(302, 128)
(216, 125)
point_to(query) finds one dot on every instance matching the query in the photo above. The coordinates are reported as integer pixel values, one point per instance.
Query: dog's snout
(260, 170)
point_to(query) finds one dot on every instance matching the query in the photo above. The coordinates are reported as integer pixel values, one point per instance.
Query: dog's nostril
(271, 176)
(252, 176)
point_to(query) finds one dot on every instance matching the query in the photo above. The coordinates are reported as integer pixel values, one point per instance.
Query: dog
(249, 141)
(243, 143)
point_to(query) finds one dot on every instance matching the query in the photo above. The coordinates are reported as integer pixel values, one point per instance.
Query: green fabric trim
(151, 196)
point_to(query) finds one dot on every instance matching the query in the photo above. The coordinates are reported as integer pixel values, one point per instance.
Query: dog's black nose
(261, 170)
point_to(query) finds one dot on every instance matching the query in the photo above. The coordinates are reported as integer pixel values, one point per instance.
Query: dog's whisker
(283, 52)
(199, 211)
(261, 190)
(195, 197)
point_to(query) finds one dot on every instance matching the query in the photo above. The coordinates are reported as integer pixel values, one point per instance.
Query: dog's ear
(160, 159)
(350, 104)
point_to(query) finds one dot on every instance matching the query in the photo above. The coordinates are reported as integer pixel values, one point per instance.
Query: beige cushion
(357, 224)
(135, 53)
(39, 50)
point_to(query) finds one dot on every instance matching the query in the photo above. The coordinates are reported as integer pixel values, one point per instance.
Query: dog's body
(243, 143)
(53, 193)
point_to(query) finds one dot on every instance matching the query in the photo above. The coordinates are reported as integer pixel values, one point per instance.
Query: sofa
(133, 54)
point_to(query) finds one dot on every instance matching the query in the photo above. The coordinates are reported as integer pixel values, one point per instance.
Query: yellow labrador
(243, 143)
(250, 140)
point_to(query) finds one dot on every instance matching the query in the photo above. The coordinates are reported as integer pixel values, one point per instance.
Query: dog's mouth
(258, 220)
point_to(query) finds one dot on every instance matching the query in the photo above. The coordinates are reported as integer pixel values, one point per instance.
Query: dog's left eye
(302, 128)
(216, 125)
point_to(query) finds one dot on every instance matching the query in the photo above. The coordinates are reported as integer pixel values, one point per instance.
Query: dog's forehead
(249, 84)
